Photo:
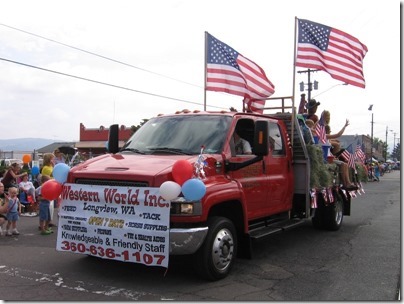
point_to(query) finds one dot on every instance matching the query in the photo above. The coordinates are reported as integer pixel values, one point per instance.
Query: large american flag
(230, 72)
(320, 129)
(333, 51)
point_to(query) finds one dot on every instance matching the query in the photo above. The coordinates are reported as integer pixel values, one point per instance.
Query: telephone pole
(385, 146)
(371, 135)
(309, 84)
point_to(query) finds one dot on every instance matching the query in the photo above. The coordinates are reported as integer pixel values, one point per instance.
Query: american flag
(333, 51)
(348, 156)
(359, 153)
(254, 105)
(313, 195)
(230, 72)
(330, 195)
(320, 130)
(351, 161)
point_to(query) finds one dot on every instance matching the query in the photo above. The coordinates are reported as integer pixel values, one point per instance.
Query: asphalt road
(361, 261)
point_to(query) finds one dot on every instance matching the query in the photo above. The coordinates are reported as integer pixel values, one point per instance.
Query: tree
(135, 128)
(378, 145)
(396, 154)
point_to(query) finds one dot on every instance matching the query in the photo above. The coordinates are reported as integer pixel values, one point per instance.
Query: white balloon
(170, 190)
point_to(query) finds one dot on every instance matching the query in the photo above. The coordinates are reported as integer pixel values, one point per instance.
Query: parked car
(9, 161)
(397, 166)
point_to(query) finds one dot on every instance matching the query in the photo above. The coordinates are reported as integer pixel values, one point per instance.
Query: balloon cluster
(192, 188)
(26, 158)
(52, 188)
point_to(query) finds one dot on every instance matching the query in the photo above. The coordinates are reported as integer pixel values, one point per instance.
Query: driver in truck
(242, 145)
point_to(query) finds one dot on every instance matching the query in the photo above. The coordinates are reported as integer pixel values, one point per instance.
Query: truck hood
(135, 167)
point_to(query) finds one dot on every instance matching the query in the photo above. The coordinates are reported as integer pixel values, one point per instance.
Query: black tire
(216, 256)
(334, 214)
(318, 220)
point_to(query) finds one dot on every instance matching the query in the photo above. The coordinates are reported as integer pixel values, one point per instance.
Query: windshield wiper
(132, 150)
(172, 150)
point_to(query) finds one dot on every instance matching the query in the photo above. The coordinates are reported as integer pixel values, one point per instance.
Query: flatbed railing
(283, 107)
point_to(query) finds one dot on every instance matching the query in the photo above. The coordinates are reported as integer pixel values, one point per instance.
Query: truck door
(253, 179)
(278, 168)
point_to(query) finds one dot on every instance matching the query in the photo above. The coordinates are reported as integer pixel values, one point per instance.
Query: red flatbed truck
(248, 197)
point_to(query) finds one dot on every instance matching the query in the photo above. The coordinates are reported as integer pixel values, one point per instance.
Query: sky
(144, 58)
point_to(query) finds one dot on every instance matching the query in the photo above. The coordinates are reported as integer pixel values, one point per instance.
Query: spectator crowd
(20, 195)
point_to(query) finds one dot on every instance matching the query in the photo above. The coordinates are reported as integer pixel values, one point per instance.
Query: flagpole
(294, 82)
(205, 68)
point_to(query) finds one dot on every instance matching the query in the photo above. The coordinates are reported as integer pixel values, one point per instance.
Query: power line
(106, 58)
(98, 55)
(103, 83)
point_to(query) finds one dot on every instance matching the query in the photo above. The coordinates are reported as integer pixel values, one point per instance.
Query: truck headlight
(186, 208)
(180, 206)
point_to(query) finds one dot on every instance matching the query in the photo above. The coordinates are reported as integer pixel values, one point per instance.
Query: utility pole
(385, 146)
(371, 135)
(371, 142)
(394, 141)
(309, 84)
(392, 150)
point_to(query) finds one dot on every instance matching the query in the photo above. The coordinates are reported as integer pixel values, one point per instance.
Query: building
(52, 147)
(94, 141)
(365, 141)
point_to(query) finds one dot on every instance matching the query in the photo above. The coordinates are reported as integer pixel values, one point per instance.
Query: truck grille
(118, 183)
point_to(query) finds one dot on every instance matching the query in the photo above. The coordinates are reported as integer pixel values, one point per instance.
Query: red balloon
(51, 190)
(182, 171)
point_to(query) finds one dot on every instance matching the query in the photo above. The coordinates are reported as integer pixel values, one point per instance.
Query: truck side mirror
(261, 145)
(113, 139)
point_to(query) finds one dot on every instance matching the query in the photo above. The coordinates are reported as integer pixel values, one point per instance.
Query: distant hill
(25, 144)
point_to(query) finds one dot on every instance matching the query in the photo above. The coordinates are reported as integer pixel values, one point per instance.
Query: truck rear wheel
(329, 216)
(216, 256)
(334, 214)
(318, 219)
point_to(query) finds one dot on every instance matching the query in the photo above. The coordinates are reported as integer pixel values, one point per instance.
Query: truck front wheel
(217, 254)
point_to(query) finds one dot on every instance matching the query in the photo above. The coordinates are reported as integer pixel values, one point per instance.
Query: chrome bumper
(186, 241)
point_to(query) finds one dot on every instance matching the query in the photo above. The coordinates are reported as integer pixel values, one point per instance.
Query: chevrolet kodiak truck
(247, 198)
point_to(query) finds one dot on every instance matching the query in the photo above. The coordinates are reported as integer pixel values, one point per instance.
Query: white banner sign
(120, 223)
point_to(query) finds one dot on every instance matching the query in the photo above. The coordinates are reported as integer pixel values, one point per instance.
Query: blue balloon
(35, 170)
(193, 189)
(60, 172)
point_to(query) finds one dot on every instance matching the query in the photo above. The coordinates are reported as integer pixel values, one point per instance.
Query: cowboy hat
(312, 103)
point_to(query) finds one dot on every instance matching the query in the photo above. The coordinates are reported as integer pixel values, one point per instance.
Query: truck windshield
(180, 135)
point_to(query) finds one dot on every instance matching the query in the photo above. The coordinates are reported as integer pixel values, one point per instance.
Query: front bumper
(186, 241)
